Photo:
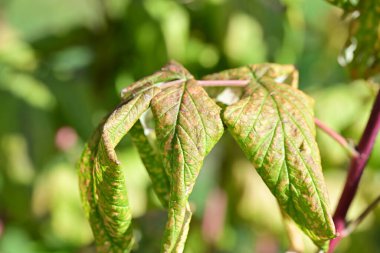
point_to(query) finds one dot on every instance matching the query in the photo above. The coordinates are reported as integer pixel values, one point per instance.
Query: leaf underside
(152, 162)
(160, 180)
(273, 124)
(188, 125)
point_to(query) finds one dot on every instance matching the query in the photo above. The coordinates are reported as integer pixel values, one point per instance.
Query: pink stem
(337, 137)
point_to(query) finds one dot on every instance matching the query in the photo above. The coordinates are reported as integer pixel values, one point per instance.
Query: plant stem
(337, 137)
(222, 83)
(355, 172)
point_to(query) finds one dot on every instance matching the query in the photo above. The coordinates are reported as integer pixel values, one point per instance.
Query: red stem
(355, 172)
(337, 137)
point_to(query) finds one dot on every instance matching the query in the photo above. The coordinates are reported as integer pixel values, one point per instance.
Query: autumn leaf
(273, 124)
(188, 125)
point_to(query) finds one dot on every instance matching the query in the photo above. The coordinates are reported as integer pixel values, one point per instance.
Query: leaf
(188, 125)
(273, 124)
(152, 162)
(361, 52)
(364, 36)
(160, 181)
(102, 181)
(284, 74)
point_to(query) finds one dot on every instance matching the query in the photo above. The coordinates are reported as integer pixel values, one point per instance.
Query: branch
(355, 172)
(337, 137)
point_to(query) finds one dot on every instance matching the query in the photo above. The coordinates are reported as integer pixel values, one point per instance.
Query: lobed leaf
(273, 124)
(102, 180)
(188, 125)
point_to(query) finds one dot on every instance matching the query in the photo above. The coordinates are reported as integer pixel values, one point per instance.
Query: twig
(353, 224)
(337, 137)
(355, 172)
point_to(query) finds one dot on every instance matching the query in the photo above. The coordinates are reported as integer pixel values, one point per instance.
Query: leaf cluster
(270, 119)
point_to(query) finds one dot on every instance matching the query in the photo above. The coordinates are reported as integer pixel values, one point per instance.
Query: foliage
(362, 49)
(63, 65)
(272, 122)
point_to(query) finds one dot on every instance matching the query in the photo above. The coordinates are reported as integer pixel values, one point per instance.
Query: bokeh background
(63, 65)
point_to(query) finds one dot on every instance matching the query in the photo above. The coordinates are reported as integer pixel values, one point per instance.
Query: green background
(63, 65)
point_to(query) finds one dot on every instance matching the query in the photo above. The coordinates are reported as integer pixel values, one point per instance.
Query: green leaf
(160, 180)
(188, 125)
(152, 162)
(345, 4)
(274, 125)
(361, 52)
(102, 180)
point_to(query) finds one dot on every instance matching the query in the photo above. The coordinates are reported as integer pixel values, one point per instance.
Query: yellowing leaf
(273, 124)
(188, 125)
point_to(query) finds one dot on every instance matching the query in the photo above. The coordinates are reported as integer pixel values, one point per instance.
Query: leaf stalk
(337, 137)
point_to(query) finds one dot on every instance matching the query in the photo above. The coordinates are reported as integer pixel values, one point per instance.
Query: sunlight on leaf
(273, 124)
(188, 125)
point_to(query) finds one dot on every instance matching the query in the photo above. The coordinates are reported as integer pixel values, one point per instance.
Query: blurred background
(63, 65)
